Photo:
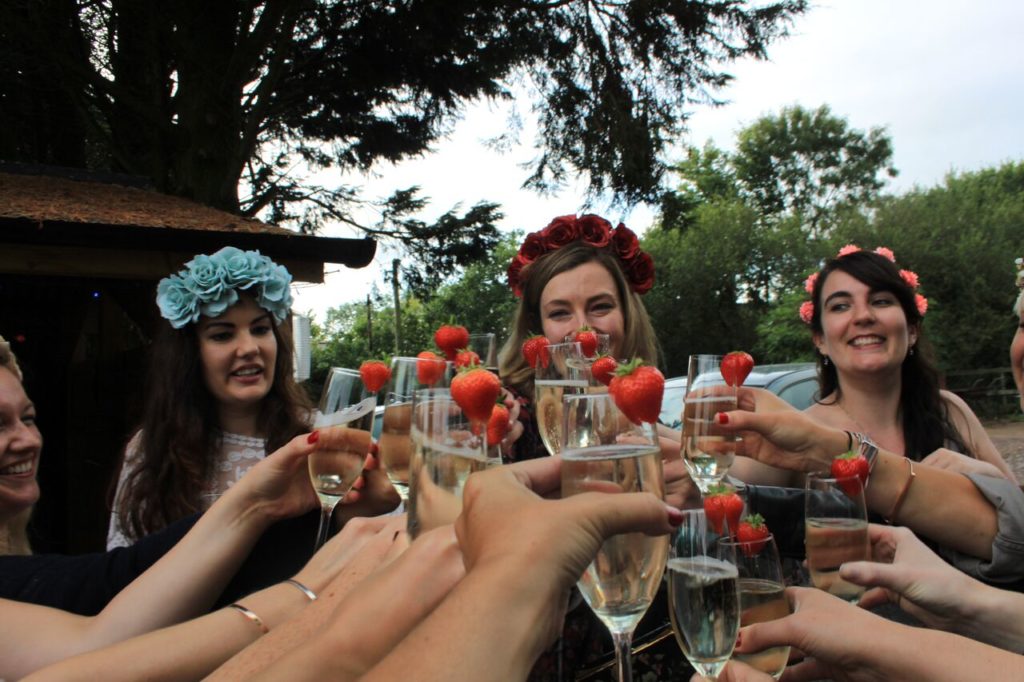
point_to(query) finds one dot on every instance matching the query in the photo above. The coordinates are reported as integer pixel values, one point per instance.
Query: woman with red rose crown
(580, 271)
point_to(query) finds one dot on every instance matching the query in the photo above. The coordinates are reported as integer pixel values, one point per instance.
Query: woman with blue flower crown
(221, 392)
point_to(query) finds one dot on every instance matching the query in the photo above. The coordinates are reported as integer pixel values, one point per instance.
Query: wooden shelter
(79, 261)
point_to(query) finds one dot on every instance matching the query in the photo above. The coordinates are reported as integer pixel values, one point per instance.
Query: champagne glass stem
(326, 511)
(623, 655)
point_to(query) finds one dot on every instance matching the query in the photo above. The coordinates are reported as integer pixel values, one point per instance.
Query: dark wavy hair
(180, 431)
(925, 415)
(638, 340)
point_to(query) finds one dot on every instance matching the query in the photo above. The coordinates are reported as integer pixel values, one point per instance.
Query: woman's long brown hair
(181, 434)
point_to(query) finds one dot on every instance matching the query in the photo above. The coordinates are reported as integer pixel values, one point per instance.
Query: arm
(940, 505)
(180, 585)
(368, 544)
(974, 434)
(195, 648)
(918, 581)
(494, 624)
(848, 643)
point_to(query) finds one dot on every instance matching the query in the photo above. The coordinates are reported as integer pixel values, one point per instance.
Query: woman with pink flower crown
(221, 394)
(932, 466)
(876, 376)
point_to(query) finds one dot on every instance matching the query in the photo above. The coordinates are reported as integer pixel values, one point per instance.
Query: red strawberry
(497, 425)
(604, 368)
(847, 466)
(374, 374)
(587, 338)
(476, 390)
(736, 366)
(637, 390)
(466, 358)
(753, 533)
(721, 503)
(451, 339)
(429, 368)
(535, 349)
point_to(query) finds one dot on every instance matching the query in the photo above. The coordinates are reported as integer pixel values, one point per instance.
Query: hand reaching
(279, 484)
(905, 572)
(944, 458)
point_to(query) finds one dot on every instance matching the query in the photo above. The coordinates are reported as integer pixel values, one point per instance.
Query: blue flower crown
(209, 285)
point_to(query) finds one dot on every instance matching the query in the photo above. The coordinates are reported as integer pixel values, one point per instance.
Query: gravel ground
(1009, 438)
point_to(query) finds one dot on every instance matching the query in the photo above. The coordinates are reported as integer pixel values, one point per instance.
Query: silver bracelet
(302, 588)
(868, 450)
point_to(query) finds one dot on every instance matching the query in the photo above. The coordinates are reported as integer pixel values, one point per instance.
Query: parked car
(795, 382)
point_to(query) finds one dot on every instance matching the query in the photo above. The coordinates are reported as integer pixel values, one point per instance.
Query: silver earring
(824, 360)
(911, 352)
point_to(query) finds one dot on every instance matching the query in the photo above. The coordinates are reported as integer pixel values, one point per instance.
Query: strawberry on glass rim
(429, 368)
(752, 534)
(604, 368)
(637, 390)
(476, 391)
(375, 374)
(535, 350)
(736, 367)
(451, 339)
(587, 338)
(723, 506)
(847, 467)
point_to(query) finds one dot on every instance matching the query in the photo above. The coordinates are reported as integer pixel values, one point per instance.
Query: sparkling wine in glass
(836, 531)
(762, 598)
(563, 371)
(602, 451)
(394, 446)
(703, 592)
(707, 452)
(445, 452)
(345, 421)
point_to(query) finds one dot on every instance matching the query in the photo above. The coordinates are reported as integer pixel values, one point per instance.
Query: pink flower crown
(595, 231)
(910, 277)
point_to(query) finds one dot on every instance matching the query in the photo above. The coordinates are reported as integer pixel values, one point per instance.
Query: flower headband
(595, 231)
(209, 285)
(807, 307)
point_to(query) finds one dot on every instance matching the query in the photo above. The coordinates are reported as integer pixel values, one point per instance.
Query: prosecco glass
(345, 420)
(708, 454)
(445, 451)
(486, 347)
(563, 371)
(703, 592)
(762, 597)
(394, 446)
(603, 451)
(836, 531)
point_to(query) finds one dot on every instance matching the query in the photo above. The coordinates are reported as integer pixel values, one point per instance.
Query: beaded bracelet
(302, 588)
(251, 616)
(903, 493)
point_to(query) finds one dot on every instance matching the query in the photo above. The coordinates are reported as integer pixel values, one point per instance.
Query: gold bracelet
(302, 588)
(903, 493)
(251, 616)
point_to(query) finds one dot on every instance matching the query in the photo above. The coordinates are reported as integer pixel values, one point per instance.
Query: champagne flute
(762, 597)
(394, 447)
(603, 451)
(604, 344)
(445, 451)
(707, 453)
(703, 593)
(485, 346)
(345, 422)
(563, 371)
(836, 531)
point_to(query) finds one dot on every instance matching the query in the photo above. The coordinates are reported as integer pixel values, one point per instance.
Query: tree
(207, 98)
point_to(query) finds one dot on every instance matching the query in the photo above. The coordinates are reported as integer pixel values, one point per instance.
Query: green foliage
(961, 238)
(199, 96)
(809, 163)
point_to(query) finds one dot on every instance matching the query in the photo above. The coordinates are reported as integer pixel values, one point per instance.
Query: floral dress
(237, 455)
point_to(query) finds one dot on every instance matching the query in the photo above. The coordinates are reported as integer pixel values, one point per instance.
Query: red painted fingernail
(722, 418)
(739, 638)
(675, 517)
(313, 437)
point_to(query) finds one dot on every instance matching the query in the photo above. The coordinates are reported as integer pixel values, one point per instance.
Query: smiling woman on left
(20, 446)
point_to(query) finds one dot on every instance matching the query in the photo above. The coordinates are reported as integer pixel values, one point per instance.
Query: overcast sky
(944, 77)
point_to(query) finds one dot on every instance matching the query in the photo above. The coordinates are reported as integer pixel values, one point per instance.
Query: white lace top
(237, 455)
